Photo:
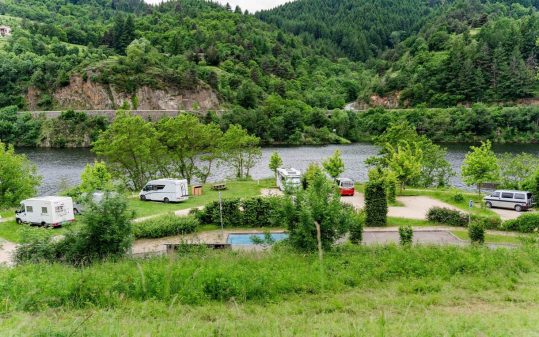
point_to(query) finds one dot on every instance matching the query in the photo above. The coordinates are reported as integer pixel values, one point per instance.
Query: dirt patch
(438, 237)
(6, 252)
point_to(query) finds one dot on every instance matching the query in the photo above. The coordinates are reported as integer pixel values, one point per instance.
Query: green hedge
(526, 223)
(447, 216)
(375, 204)
(250, 212)
(163, 226)
(476, 231)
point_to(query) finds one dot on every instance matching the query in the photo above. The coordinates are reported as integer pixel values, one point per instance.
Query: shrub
(318, 204)
(458, 197)
(166, 225)
(488, 222)
(375, 204)
(447, 216)
(526, 223)
(231, 213)
(406, 235)
(105, 232)
(356, 228)
(257, 212)
(476, 231)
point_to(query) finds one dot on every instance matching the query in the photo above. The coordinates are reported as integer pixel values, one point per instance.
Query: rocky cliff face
(87, 95)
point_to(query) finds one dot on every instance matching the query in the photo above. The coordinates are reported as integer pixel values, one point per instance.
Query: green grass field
(490, 238)
(379, 291)
(235, 189)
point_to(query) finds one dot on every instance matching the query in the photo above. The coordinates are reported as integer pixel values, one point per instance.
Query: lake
(61, 168)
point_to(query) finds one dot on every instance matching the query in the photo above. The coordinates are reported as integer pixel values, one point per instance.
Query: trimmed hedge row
(526, 223)
(375, 204)
(457, 218)
(250, 212)
(163, 226)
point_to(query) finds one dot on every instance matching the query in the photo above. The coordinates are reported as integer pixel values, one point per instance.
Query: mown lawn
(235, 189)
(378, 291)
(490, 238)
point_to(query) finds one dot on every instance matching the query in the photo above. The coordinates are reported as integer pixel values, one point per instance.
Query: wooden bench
(219, 187)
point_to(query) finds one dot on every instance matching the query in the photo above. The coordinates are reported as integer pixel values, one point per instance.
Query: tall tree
(480, 166)
(240, 150)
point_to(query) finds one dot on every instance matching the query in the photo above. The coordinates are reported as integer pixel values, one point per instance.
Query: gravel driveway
(415, 207)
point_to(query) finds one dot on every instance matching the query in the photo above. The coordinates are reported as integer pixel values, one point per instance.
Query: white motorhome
(288, 178)
(46, 211)
(165, 190)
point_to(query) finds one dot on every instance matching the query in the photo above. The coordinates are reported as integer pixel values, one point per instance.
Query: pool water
(245, 239)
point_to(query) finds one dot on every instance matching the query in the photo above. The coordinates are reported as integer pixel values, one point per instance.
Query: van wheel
(43, 224)
(166, 201)
(19, 221)
(518, 208)
(143, 197)
(488, 204)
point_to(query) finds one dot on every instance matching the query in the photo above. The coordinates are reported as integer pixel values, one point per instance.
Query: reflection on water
(62, 167)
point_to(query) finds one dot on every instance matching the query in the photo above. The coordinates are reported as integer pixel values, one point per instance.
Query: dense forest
(283, 74)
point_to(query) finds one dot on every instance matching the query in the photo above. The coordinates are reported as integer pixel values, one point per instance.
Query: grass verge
(366, 291)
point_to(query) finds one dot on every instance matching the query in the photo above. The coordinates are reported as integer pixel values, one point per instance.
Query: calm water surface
(62, 167)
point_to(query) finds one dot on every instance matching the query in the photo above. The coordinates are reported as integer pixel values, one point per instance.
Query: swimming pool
(245, 239)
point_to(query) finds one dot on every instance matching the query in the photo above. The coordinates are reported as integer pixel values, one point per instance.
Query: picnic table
(219, 186)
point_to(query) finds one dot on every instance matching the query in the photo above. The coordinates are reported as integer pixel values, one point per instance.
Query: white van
(166, 190)
(46, 211)
(288, 178)
(517, 200)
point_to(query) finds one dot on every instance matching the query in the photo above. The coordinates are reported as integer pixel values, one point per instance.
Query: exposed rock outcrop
(392, 101)
(87, 95)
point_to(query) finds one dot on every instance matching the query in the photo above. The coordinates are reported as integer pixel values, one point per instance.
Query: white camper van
(166, 190)
(46, 211)
(288, 178)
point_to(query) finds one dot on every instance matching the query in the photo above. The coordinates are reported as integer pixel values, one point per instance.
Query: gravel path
(415, 207)
(6, 251)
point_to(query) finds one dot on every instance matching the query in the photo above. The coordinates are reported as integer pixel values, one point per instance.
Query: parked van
(517, 200)
(346, 186)
(288, 178)
(165, 190)
(46, 211)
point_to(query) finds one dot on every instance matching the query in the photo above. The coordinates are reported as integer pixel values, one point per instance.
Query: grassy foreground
(363, 291)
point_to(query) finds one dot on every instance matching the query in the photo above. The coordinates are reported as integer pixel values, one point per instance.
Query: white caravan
(288, 178)
(166, 190)
(46, 211)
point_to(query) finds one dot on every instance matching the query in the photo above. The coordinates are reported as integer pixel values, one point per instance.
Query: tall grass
(209, 276)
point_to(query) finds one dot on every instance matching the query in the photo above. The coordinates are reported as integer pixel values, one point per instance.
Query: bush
(406, 234)
(526, 223)
(447, 216)
(458, 197)
(105, 232)
(231, 213)
(476, 232)
(257, 212)
(356, 228)
(163, 226)
(488, 222)
(375, 204)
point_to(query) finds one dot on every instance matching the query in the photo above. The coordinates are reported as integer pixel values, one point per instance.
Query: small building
(5, 31)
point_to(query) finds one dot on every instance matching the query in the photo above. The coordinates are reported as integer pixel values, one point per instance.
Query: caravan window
(520, 196)
(29, 209)
(44, 210)
(158, 187)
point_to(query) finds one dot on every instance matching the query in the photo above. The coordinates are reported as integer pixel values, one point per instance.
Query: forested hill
(438, 53)
(184, 45)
